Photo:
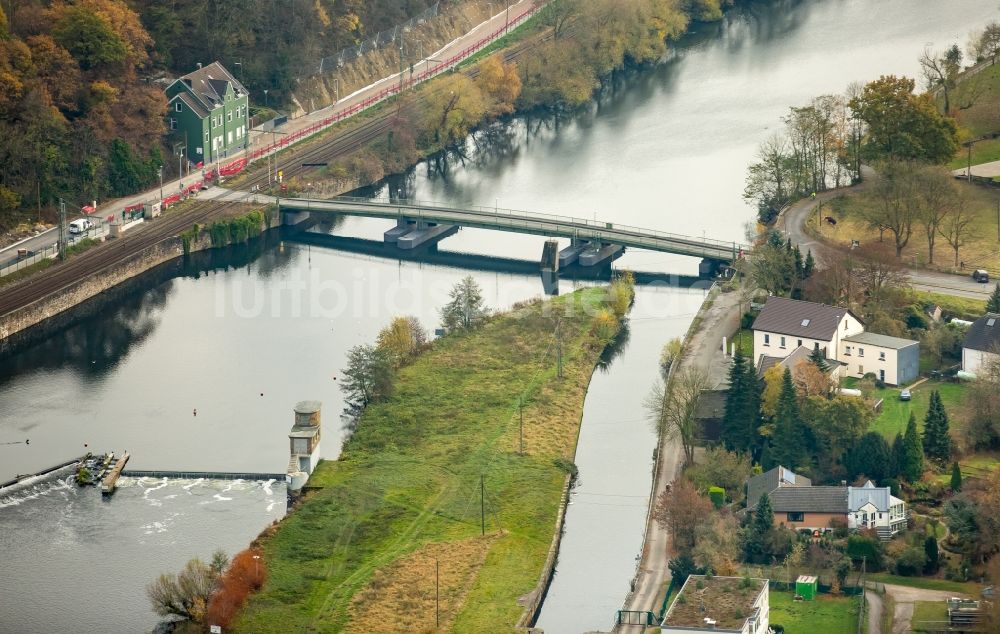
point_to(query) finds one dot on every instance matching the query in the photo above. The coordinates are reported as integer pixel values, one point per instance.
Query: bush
(717, 495)
(604, 325)
(911, 562)
(869, 548)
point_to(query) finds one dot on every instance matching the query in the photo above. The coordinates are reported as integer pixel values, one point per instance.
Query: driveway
(905, 597)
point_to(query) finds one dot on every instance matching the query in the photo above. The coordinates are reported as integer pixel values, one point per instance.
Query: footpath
(719, 317)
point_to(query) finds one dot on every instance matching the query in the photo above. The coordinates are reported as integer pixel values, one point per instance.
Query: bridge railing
(503, 212)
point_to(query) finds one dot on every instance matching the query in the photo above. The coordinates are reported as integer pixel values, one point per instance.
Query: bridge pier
(409, 234)
(709, 268)
(598, 254)
(550, 267)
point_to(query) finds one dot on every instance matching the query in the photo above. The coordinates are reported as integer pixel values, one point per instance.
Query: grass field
(961, 307)
(928, 612)
(969, 588)
(359, 553)
(828, 614)
(896, 413)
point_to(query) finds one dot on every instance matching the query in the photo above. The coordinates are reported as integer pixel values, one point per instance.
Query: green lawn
(961, 307)
(744, 341)
(406, 489)
(928, 612)
(978, 465)
(896, 413)
(969, 588)
(828, 614)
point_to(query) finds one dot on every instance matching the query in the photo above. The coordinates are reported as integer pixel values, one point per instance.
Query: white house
(784, 325)
(719, 604)
(981, 346)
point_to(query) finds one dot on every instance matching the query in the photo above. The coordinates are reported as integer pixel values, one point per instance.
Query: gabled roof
(882, 341)
(800, 319)
(809, 500)
(984, 334)
(768, 481)
(208, 84)
(801, 354)
(192, 103)
(860, 496)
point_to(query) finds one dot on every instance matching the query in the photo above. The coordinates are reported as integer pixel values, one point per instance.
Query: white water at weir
(76, 562)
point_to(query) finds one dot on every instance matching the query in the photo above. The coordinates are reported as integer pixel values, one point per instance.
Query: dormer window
(177, 106)
(805, 322)
(990, 321)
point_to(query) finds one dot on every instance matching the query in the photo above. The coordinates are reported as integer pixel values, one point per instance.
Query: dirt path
(905, 597)
(875, 610)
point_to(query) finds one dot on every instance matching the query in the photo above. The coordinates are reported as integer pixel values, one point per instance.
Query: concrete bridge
(592, 241)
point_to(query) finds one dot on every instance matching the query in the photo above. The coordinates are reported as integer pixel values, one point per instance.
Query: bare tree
(937, 195)
(893, 201)
(673, 409)
(957, 227)
(940, 71)
(185, 594)
(880, 275)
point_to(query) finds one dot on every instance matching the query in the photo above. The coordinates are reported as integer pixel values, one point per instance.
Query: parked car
(904, 395)
(981, 276)
(81, 225)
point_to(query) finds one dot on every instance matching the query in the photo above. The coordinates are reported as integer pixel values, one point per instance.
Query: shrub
(717, 495)
(604, 326)
(911, 562)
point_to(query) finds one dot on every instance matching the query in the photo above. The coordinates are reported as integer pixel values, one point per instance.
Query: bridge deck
(524, 222)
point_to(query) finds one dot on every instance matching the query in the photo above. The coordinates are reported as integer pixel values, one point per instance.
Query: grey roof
(801, 354)
(809, 500)
(982, 335)
(786, 316)
(770, 480)
(209, 84)
(303, 432)
(883, 341)
(196, 106)
(765, 363)
(859, 496)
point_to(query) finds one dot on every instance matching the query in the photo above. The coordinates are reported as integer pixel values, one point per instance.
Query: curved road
(793, 221)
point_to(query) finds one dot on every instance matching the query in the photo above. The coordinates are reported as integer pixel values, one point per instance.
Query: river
(666, 148)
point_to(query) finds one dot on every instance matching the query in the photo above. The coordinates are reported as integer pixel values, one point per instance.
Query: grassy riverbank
(359, 554)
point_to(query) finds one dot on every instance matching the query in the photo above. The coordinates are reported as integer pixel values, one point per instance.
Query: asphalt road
(793, 223)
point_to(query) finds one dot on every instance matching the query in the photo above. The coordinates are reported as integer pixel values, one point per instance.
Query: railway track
(100, 258)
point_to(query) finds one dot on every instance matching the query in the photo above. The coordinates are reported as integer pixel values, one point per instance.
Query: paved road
(48, 238)
(793, 223)
(874, 612)
(704, 350)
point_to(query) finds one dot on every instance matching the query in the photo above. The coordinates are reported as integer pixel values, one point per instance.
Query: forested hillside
(81, 116)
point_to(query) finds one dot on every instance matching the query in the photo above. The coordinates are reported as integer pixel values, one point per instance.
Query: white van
(80, 225)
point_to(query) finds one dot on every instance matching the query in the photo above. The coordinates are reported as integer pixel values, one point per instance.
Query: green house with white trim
(208, 112)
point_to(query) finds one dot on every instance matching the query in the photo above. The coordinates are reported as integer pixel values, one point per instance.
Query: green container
(805, 587)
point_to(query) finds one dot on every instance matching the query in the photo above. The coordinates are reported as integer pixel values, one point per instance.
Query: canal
(241, 342)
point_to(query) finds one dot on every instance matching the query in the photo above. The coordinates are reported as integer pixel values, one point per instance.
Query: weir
(206, 475)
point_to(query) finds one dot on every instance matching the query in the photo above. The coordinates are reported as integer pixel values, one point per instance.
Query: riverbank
(436, 475)
(88, 291)
(718, 317)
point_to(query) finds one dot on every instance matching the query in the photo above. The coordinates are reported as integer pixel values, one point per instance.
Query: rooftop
(308, 407)
(770, 480)
(809, 500)
(800, 319)
(984, 334)
(883, 341)
(729, 601)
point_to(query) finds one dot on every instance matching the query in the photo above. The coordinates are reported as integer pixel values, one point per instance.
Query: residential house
(785, 325)
(208, 113)
(981, 346)
(719, 604)
(800, 506)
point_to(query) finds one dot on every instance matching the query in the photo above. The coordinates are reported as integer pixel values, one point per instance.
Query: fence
(380, 39)
(396, 87)
(50, 251)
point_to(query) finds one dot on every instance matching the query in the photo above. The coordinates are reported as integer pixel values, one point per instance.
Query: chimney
(199, 65)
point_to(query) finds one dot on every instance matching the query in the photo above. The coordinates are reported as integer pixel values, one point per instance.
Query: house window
(177, 106)
(796, 517)
(881, 356)
(173, 123)
(800, 342)
(861, 369)
(782, 342)
(767, 339)
(847, 351)
(229, 117)
(861, 351)
(815, 345)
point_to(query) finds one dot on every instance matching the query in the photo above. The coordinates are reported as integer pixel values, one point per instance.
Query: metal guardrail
(527, 222)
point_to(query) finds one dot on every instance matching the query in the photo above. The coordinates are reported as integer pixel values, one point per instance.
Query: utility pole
(482, 503)
(506, 27)
(998, 221)
(62, 229)
(437, 593)
(559, 371)
(520, 411)
(161, 183)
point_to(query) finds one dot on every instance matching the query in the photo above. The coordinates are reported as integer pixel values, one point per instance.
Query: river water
(242, 342)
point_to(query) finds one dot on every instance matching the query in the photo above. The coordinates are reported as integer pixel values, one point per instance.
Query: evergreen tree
(913, 453)
(931, 551)
(736, 405)
(788, 440)
(799, 266)
(871, 456)
(819, 359)
(956, 477)
(937, 442)
(757, 530)
(809, 266)
(993, 303)
(898, 456)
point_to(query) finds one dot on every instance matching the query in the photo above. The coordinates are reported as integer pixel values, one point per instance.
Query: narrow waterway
(666, 148)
